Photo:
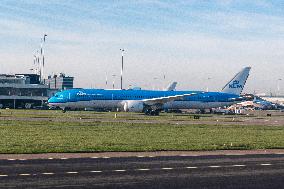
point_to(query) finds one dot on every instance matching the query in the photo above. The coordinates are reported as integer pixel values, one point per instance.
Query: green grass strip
(51, 136)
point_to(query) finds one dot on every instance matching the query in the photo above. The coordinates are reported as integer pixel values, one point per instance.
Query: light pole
(113, 76)
(106, 80)
(164, 76)
(278, 85)
(122, 51)
(155, 78)
(42, 56)
(207, 88)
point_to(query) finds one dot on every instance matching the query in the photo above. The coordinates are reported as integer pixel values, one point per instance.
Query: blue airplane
(151, 102)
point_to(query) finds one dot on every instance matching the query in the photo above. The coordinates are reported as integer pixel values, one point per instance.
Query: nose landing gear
(65, 109)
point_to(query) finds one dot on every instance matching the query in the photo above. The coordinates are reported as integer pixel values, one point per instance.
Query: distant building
(60, 82)
(26, 91)
(30, 78)
(22, 91)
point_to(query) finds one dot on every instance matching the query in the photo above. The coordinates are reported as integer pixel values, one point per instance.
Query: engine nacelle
(133, 106)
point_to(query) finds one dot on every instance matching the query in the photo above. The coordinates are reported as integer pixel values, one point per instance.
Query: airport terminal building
(25, 91)
(61, 82)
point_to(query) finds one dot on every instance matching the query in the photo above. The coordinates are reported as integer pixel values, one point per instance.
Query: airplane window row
(133, 96)
(138, 97)
(117, 97)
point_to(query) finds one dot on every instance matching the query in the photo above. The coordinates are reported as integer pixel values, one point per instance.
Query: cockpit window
(56, 95)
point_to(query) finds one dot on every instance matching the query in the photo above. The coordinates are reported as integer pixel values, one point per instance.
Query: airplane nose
(51, 100)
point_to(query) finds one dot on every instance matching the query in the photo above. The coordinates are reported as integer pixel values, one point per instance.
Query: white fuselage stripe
(119, 104)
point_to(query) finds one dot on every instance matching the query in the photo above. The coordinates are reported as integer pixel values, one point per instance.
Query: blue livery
(151, 102)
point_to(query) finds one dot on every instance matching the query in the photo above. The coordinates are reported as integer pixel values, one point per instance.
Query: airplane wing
(236, 99)
(163, 100)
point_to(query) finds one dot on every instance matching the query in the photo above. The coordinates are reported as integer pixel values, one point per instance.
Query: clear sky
(188, 40)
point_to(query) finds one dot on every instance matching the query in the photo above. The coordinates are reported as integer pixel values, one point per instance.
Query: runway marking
(265, 164)
(121, 170)
(214, 166)
(47, 173)
(183, 155)
(22, 159)
(151, 156)
(24, 174)
(11, 159)
(140, 156)
(3, 175)
(143, 169)
(235, 154)
(72, 172)
(238, 165)
(167, 168)
(94, 157)
(191, 167)
(63, 158)
(95, 171)
(191, 155)
(50, 158)
(105, 157)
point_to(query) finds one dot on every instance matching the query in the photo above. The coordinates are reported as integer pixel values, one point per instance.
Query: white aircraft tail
(171, 86)
(236, 85)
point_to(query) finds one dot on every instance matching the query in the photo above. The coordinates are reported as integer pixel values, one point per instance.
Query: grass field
(58, 134)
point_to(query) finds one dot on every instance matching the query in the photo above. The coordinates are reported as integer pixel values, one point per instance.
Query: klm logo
(80, 93)
(235, 85)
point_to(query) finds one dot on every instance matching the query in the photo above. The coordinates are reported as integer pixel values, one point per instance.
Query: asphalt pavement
(213, 171)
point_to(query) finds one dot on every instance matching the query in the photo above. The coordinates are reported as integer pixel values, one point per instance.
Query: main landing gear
(152, 112)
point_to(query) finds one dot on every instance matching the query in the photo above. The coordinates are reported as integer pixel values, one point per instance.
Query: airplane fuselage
(99, 98)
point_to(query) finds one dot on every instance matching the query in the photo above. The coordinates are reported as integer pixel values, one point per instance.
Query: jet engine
(133, 106)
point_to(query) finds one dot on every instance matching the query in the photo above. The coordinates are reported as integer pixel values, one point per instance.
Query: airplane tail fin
(171, 86)
(236, 85)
